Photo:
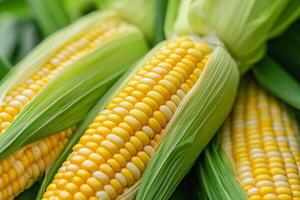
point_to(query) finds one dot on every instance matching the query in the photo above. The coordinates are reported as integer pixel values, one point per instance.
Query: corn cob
(22, 168)
(110, 158)
(261, 141)
(74, 58)
(24, 92)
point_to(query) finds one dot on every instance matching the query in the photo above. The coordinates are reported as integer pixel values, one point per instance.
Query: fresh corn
(22, 93)
(172, 103)
(22, 168)
(109, 160)
(83, 60)
(261, 143)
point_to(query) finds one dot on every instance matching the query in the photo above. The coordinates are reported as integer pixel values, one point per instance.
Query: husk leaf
(244, 26)
(192, 126)
(277, 81)
(78, 86)
(215, 174)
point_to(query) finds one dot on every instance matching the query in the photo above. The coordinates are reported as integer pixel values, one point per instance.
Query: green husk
(278, 82)
(192, 126)
(138, 12)
(183, 135)
(176, 22)
(88, 119)
(244, 26)
(4, 67)
(216, 178)
(66, 99)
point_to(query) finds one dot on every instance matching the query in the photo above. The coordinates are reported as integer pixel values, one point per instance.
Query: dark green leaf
(4, 67)
(161, 8)
(278, 82)
(286, 48)
(29, 194)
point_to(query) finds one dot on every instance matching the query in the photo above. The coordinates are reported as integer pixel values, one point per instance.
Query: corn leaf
(278, 82)
(78, 8)
(192, 126)
(17, 8)
(30, 193)
(244, 26)
(4, 67)
(78, 86)
(50, 15)
(177, 22)
(216, 179)
(160, 7)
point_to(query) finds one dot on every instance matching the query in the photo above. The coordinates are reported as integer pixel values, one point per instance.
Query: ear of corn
(179, 83)
(260, 142)
(192, 127)
(54, 87)
(259, 18)
(23, 167)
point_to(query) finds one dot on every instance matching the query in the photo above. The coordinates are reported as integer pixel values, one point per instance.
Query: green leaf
(16, 8)
(216, 178)
(286, 48)
(30, 193)
(192, 126)
(4, 67)
(278, 82)
(50, 15)
(161, 7)
(79, 132)
(176, 22)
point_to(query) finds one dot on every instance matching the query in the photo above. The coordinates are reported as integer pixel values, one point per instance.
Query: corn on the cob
(74, 58)
(261, 140)
(17, 97)
(22, 168)
(30, 98)
(111, 156)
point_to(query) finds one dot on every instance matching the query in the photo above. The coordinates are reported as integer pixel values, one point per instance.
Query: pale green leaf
(244, 26)
(277, 81)
(78, 86)
(192, 126)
